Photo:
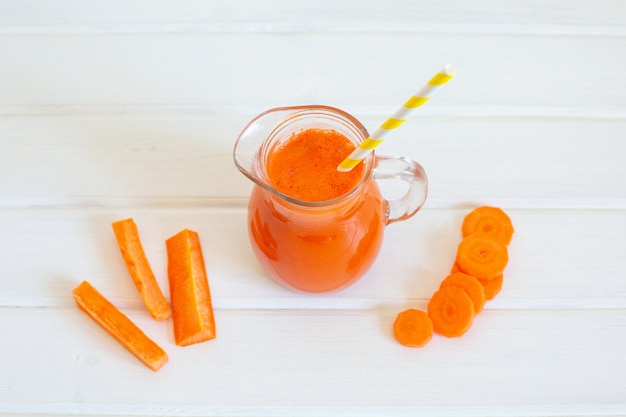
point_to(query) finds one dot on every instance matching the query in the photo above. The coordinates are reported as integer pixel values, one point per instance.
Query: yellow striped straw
(396, 119)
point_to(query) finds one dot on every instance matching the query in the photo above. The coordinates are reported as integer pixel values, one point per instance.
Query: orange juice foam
(305, 167)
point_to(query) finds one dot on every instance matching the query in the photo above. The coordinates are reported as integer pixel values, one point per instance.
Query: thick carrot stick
(139, 268)
(118, 325)
(189, 290)
(413, 328)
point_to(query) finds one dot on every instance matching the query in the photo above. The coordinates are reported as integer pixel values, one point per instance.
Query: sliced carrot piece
(472, 287)
(139, 268)
(489, 220)
(413, 328)
(118, 325)
(492, 286)
(482, 256)
(189, 289)
(451, 311)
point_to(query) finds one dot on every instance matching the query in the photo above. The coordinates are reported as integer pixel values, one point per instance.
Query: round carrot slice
(489, 220)
(472, 287)
(413, 328)
(482, 256)
(451, 311)
(492, 287)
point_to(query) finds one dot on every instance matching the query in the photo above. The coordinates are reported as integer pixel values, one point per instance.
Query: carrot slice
(118, 325)
(139, 268)
(492, 286)
(413, 328)
(451, 311)
(472, 287)
(489, 220)
(189, 289)
(482, 256)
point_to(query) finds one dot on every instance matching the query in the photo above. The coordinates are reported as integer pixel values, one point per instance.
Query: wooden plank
(306, 363)
(558, 259)
(185, 160)
(498, 75)
(604, 17)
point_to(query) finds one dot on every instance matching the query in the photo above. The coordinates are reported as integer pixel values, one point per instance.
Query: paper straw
(396, 119)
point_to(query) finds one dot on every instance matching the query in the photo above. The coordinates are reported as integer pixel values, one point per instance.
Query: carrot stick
(492, 286)
(140, 271)
(482, 256)
(490, 220)
(472, 287)
(451, 311)
(118, 325)
(189, 289)
(413, 328)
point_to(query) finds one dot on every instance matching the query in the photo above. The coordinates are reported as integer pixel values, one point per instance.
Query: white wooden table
(115, 109)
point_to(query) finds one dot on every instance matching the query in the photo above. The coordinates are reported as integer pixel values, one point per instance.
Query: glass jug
(321, 246)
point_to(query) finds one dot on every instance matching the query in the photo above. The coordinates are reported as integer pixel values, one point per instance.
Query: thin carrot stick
(118, 325)
(139, 268)
(194, 321)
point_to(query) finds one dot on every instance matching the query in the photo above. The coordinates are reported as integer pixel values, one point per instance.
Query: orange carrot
(472, 287)
(451, 311)
(413, 328)
(492, 286)
(140, 271)
(490, 220)
(118, 325)
(189, 289)
(482, 256)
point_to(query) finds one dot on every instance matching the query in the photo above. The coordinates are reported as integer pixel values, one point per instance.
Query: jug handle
(392, 167)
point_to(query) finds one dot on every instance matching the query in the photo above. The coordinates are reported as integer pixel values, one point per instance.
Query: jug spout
(274, 126)
(249, 145)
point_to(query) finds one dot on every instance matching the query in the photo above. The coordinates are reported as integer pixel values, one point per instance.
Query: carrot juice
(329, 232)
